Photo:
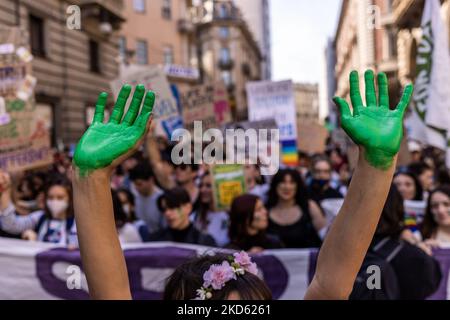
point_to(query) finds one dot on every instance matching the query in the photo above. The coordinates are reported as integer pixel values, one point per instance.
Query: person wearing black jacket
(416, 273)
(176, 205)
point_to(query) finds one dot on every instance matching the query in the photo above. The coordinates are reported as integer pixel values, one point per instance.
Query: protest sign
(24, 132)
(266, 151)
(275, 100)
(228, 183)
(312, 137)
(165, 112)
(206, 103)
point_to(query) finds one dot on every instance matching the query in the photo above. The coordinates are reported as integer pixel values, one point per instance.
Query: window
(94, 56)
(141, 52)
(123, 47)
(223, 11)
(227, 78)
(225, 55)
(166, 10)
(139, 6)
(37, 39)
(168, 55)
(224, 32)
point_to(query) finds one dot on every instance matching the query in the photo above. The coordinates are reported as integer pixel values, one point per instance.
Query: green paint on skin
(375, 127)
(102, 143)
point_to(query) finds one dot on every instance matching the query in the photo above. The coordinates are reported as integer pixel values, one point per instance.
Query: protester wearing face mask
(55, 223)
(320, 188)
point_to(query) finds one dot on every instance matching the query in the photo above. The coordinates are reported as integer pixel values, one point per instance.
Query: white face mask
(57, 207)
(126, 208)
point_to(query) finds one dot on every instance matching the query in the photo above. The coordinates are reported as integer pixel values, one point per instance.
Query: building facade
(327, 86)
(161, 33)
(307, 103)
(366, 38)
(407, 16)
(71, 65)
(227, 51)
(257, 15)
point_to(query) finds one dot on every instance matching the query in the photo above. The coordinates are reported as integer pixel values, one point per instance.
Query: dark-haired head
(188, 278)
(287, 185)
(176, 206)
(142, 177)
(391, 222)
(437, 212)
(424, 173)
(248, 217)
(408, 185)
(59, 189)
(204, 202)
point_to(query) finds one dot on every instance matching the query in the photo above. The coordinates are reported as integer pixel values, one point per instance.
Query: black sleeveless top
(300, 234)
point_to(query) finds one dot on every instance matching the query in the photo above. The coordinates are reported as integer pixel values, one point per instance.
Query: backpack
(379, 255)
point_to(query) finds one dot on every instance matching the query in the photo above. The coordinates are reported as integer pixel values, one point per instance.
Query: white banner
(35, 270)
(42, 271)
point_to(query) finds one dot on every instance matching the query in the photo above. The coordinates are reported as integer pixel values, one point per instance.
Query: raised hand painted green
(102, 143)
(377, 128)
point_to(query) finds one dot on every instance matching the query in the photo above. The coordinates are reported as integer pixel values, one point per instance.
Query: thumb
(344, 109)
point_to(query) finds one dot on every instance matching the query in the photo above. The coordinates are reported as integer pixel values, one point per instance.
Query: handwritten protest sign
(275, 100)
(228, 183)
(165, 112)
(206, 103)
(25, 137)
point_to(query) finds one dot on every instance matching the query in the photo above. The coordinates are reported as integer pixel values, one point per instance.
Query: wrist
(377, 158)
(80, 175)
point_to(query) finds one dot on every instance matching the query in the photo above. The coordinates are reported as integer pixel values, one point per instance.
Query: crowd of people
(155, 200)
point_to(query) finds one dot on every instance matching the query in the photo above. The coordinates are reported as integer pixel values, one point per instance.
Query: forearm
(350, 235)
(15, 224)
(155, 161)
(102, 256)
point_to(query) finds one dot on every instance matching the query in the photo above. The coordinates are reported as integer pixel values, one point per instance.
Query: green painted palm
(377, 128)
(103, 143)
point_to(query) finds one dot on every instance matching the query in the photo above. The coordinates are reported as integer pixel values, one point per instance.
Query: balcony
(408, 13)
(102, 11)
(185, 26)
(226, 64)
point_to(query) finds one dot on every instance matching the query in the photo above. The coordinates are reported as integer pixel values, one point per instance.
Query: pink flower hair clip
(219, 274)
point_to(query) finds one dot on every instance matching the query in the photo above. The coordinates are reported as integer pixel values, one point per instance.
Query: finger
(355, 95)
(344, 109)
(371, 98)
(406, 97)
(383, 92)
(135, 105)
(147, 110)
(117, 113)
(100, 108)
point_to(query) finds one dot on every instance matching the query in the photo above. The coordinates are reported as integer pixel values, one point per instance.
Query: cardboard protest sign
(165, 112)
(206, 103)
(24, 131)
(275, 100)
(228, 183)
(312, 137)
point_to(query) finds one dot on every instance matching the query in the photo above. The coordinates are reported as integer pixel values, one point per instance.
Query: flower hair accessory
(219, 274)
